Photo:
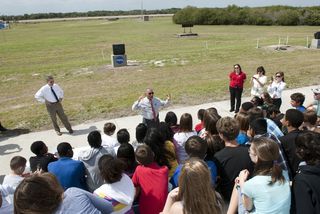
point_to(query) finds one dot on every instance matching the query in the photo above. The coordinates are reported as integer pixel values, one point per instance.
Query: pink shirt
(153, 182)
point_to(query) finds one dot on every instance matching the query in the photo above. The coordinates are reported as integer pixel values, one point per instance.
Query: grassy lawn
(193, 70)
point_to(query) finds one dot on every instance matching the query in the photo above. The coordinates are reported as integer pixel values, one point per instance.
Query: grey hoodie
(90, 159)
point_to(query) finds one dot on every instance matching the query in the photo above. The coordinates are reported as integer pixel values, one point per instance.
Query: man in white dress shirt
(149, 107)
(51, 94)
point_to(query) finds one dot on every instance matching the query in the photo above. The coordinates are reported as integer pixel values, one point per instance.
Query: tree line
(85, 14)
(234, 15)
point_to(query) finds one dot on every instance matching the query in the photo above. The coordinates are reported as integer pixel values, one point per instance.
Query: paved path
(20, 145)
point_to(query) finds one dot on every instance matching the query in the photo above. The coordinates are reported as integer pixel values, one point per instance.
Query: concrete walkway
(20, 145)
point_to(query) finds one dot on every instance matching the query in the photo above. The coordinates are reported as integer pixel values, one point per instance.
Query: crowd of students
(259, 161)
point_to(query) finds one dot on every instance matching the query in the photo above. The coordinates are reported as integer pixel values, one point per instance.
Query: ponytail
(276, 174)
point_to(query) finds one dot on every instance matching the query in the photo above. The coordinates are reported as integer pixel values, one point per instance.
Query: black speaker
(118, 49)
(317, 35)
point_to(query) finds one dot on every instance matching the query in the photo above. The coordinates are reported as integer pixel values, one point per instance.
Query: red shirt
(153, 182)
(198, 127)
(237, 80)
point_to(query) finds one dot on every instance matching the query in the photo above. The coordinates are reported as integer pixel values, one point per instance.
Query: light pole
(141, 9)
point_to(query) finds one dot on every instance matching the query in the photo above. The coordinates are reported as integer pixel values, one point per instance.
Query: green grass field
(193, 70)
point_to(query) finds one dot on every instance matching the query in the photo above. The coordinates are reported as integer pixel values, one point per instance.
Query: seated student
(258, 129)
(42, 158)
(297, 100)
(6, 207)
(182, 136)
(245, 107)
(257, 101)
(267, 100)
(46, 196)
(292, 120)
(70, 173)
(170, 152)
(272, 127)
(232, 158)
(126, 154)
(196, 147)
(156, 142)
(195, 194)
(172, 120)
(243, 120)
(306, 185)
(150, 181)
(310, 121)
(118, 188)
(274, 114)
(17, 166)
(199, 126)
(90, 159)
(267, 191)
(123, 137)
(107, 140)
(141, 131)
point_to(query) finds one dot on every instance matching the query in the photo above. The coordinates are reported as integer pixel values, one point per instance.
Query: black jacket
(306, 188)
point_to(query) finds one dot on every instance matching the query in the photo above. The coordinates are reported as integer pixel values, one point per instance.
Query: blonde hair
(194, 188)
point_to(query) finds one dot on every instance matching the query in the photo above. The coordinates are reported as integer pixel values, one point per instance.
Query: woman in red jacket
(237, 78)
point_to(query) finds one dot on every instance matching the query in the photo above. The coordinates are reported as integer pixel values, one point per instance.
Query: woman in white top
(258, 81)
(118, 188)
(276, 87)
(180, 138)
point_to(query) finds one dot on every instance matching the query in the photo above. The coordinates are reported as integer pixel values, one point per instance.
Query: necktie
(54, 94)
(153, 111)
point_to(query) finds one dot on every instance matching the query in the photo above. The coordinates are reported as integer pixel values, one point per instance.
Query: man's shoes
(58, 133)
(231, 110)
(70, 131)
(2, 129)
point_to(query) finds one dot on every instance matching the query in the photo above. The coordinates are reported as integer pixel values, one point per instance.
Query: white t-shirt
(120, 194)
(179, 139)
(6, 207)
(13, 181)
(108, 141)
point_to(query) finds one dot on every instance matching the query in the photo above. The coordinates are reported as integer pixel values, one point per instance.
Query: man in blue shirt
(70, 173)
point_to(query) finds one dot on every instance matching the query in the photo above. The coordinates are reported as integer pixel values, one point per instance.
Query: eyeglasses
(151, 93)
(278, 76)
(236, 68)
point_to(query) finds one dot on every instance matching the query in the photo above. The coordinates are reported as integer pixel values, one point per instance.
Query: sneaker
(58, 133)
(70, 131)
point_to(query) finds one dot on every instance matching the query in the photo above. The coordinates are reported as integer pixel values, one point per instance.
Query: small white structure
(315, 43)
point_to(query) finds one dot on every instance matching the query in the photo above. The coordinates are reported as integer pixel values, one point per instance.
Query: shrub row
(234, 15)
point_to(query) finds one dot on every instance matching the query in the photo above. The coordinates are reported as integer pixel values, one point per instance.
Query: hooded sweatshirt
(306, 187)
(90, 159)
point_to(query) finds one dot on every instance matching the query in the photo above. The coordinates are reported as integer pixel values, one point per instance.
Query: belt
(52, 103)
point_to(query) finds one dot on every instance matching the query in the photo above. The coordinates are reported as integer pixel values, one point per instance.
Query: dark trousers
(151, 123)
(277, 102)
(235, 94)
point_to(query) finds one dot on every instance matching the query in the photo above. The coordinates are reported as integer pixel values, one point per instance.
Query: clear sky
(19, 7)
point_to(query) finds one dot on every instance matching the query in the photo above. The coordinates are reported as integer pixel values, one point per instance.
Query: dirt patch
(288, 48)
